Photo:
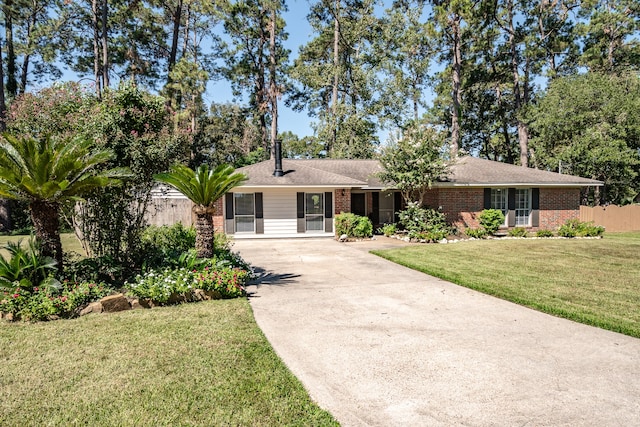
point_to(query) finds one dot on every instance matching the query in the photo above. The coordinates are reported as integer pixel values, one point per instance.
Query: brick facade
(557, 205)
(461, 206)
(218, 216)
(343, 200)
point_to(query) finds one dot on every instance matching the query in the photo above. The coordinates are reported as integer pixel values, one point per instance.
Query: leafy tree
(203, 187)
(308, 147)
(589, 125)
(48, 172)
(414, 161)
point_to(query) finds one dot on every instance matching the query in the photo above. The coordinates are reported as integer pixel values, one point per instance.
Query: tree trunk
(105, 53)
(3, 104)
(273, 87)
(523, 133)
(336, 76)
(12, 83)
(46, 222)
(96, 47)
(204, 231)
(455, 93)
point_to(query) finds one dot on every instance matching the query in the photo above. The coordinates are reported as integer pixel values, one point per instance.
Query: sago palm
(203, 187)
(46, 173)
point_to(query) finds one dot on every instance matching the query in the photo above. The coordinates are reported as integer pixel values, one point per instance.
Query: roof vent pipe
(278, 154)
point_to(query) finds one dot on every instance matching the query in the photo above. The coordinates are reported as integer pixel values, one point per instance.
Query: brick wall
(218, 216)
(431, 199)
(343, 201)
(557, 205)
(461, 206)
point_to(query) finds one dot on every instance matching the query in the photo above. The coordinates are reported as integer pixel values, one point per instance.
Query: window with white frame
(523, 207)
(499, 201)
(245, 212)
(314, 211)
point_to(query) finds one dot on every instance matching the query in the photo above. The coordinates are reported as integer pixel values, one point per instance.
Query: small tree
(45, 173)
(414, 161)
(203, 187)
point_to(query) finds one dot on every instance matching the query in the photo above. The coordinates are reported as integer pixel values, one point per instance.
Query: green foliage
(414, 161)
(577, 228)
(544, 233)
(170, 285)
(589, 125)
(491, 220)
(47, 304)
(424, 224)
(388, 229)
(476, 233)
(518, 232)
(353, 225)
(165, 244)
(204, 185)
(26, 267)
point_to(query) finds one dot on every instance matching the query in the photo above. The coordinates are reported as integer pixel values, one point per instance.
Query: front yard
(596, 282)
(202, 364)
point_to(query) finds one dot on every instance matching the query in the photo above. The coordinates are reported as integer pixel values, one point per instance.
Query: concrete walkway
(377, 344)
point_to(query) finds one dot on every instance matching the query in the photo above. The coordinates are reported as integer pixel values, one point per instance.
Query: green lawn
(70, 243)
(204, 364)
(596, 282)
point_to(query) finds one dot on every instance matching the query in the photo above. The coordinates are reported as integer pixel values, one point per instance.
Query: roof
(467, 171)
(315, 172)
(472, 171)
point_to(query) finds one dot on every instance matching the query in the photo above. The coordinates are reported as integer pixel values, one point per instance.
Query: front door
(358, 205)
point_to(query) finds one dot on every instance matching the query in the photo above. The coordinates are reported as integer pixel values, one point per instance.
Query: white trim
(512, 185)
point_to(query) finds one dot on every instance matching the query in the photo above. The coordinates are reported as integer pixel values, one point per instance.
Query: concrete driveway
(377, 344)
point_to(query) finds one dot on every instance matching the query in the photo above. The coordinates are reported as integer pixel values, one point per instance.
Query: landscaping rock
(115, 303)
(9, 317)
(146, 303)
(343, 238)
(135, 304)
(94, 307)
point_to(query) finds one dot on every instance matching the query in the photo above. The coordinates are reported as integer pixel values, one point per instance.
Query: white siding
(279, 211)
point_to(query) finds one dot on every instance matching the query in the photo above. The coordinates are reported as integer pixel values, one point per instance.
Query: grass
(199, 364)
(596, 282)
(70, 243)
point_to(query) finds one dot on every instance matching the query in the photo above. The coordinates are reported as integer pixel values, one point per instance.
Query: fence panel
(168, 211)
(612, 217)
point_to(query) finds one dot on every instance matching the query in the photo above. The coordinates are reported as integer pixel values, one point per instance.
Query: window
(314, 211)
(523, 207)
(245, 212)
(385, 208)
(499, 201)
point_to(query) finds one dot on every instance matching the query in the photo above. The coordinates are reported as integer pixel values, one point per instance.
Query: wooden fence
(169, 211)
(612, 217)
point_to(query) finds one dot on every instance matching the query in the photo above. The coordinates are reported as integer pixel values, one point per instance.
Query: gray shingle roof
(467, 171)
(472, 171)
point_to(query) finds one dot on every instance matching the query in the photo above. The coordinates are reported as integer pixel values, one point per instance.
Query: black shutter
(511, 205)
(328, 212)
(535, 207)
(397, 205)
(259, 214)
(228, 214)
(487, 198)
(375, 215)
(300, 215)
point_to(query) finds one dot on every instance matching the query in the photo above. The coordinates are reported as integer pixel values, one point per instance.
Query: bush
(26, 267)
(47, 304)
(544, 233)
(422, 223)
(168, 285)
(353, 225)
(388, 229)
(164, 244)
(577, 228)
(518, 232)
(491, 220)
(476, 233)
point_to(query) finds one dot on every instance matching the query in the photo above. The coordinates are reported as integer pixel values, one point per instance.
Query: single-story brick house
(303, 201)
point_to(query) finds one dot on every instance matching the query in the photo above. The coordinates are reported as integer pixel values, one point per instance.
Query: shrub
(544, 233)
(164, 244)
(491, 220)
(423, 223)
(165, 285)
(577, 228)
(518, 232)
(476, 233)
(353, 225)
(26, 267)
(388, 229)
(46, 304)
